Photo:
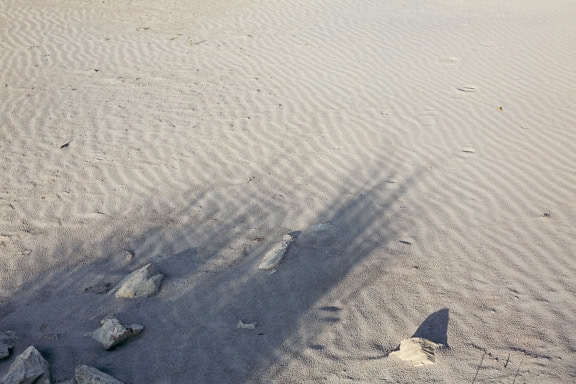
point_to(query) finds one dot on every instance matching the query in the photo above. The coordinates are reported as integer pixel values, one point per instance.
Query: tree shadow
(210, 260)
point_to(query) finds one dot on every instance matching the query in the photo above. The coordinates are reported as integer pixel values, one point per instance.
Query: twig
(518, 371)
(507, 361)
(479, 365)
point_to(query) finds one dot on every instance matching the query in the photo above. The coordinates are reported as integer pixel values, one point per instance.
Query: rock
(274, 256)
(111, 333)
(243, 325)
(88, 375)
(28, 368)
(6, 343)
(143, 282)
(418, 351)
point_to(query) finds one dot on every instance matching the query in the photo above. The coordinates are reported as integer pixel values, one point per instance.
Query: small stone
(111, 333)
(7, 339)
(89, 375)
(243, 325)
(418, 351)
(143, 282)
(274, 256)
(28, 368)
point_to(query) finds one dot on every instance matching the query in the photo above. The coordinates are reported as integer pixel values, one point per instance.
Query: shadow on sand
(435, 327)
(209, 251)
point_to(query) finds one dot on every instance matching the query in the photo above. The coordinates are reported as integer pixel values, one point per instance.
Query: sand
(421, 154)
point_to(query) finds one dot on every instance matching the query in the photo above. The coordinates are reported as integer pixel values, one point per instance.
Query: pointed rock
(111, 333)
(28, 368)
(275, 255)
(417, 351)
(6, 343)
(89, 375)
(143, 282)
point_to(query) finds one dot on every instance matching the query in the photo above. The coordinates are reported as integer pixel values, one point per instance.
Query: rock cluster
(31, 368)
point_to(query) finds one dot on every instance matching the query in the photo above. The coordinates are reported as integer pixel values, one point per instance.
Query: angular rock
(28, 368)
(243, 325)
(89, 375)
(143, 282)
(274, 256)
(417, 351)
(6, 343)
(111, 333)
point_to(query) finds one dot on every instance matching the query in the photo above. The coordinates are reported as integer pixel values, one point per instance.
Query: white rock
(112, 333)
(417, 351)
(143, 282)
(274, 256)
(243, 325)
(6, 343)
(88, 375)
(28, 368)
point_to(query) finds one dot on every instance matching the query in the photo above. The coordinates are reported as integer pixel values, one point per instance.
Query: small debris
(65, 145)
(28, 367)
(242, 325)
(547, 214)
(500, 108)
(417, 351)
(112, 333)
(320, 227)
(89, 375)
(99, 288)
(7, 339)
(143, 282)
(467, 88)
(274, 256)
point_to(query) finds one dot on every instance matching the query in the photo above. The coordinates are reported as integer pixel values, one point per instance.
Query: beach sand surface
(420, 154)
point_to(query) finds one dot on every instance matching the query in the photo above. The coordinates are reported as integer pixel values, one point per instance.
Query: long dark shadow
(210, 285)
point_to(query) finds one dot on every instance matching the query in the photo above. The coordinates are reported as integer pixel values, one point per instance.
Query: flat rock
(28, 368)
(143, 282)
(89, 375)
(243, 325)
(7, 339)
(274, 256)
(417, 351)
(112, 333)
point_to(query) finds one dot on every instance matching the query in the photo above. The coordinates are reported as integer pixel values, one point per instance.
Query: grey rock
(28, 368)
(7, 339)
(274, 256)
(143, 282)
(111, 333)
(89, 375)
